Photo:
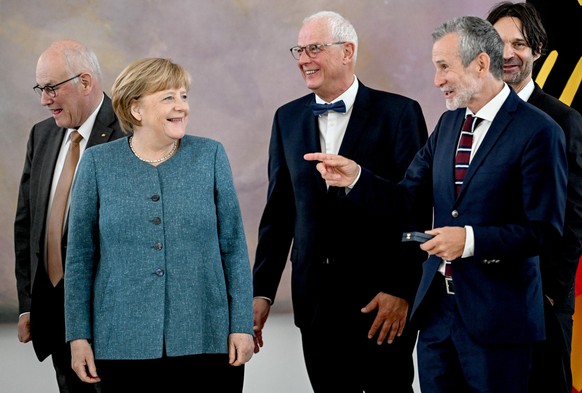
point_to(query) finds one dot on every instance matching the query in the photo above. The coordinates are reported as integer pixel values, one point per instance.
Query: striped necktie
(464, 148)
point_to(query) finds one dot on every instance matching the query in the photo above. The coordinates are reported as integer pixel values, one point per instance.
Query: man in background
(68, 78)
(351, 283)
(525, 41)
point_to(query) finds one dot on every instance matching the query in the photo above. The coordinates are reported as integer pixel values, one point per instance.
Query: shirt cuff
(264, 297)
(349, 188)
(469, 249)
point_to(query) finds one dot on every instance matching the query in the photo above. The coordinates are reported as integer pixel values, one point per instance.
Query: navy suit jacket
(44, 142)
(513, 196)
(559, 264)
(385, 131)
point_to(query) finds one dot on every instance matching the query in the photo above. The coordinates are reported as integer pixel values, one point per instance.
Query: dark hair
(532, 28)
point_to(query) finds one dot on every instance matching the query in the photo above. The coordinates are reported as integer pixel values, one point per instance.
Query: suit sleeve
(405, 273)
(233, 247)
(385, 198)
(22, 224)
(559, 266)
(277, 221)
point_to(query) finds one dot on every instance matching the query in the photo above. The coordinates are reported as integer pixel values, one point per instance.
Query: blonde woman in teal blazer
(158, 287)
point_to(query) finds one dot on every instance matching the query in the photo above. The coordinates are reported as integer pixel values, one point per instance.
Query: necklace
(164, 158)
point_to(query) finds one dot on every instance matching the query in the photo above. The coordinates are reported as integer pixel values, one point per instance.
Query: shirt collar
(87, 126)
(525, 93)
(490, 109)
(348, 96)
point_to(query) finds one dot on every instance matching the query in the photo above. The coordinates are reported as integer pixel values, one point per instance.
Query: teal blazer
(157, 256)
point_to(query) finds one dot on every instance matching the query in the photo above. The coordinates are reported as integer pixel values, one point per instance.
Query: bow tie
(320, 109)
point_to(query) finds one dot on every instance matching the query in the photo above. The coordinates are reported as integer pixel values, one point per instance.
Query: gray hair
(79, 58)
(476, 36)
(340, 28)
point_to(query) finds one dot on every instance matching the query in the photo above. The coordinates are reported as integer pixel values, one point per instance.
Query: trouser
(551, 368)
(193, 373)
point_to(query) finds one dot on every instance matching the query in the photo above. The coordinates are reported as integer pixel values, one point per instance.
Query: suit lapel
(309, 126)
(355, 128)
(52, 147)
(99, 136)
(104, 122)
(496, 129)
(309, 129)
(536, 96)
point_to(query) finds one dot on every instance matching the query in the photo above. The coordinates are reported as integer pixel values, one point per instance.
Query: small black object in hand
(420, 237)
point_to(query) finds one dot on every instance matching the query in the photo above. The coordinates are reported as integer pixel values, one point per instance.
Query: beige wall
(238, 54)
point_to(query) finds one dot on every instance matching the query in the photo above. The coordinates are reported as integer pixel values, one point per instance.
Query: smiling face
(331, 71)
(518, 57)
(163, 113)
(459, 84)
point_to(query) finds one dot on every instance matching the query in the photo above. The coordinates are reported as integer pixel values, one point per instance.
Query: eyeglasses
(311, 50)
(51, 90)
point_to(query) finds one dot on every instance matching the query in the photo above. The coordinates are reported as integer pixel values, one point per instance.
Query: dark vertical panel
(563, 22)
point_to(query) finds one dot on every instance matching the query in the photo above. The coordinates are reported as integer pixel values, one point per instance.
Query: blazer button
(155, 197)
(156, 221)
(158, 246)
(455, 214)
(159, 272)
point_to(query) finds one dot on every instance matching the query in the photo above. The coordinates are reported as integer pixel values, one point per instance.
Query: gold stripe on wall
(573, 84)
(547, 67)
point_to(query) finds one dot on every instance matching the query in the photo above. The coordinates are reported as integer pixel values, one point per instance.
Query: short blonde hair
(144, 77)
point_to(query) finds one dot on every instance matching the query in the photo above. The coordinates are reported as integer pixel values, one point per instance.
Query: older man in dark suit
(68, 80)
(479, 306)
(351, 284)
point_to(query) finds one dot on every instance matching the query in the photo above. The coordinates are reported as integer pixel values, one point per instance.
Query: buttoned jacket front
(157, 255)
(513, 197)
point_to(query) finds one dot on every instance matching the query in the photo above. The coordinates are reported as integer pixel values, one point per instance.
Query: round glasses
(310, 50)
(51, 90)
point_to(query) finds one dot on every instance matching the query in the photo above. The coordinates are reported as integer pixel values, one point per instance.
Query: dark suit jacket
(384, 132)
(513, 196)
(559, 263)
(47, 318)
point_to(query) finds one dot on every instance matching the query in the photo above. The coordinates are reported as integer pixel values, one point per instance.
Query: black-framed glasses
(51, 90)
(311, 50)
